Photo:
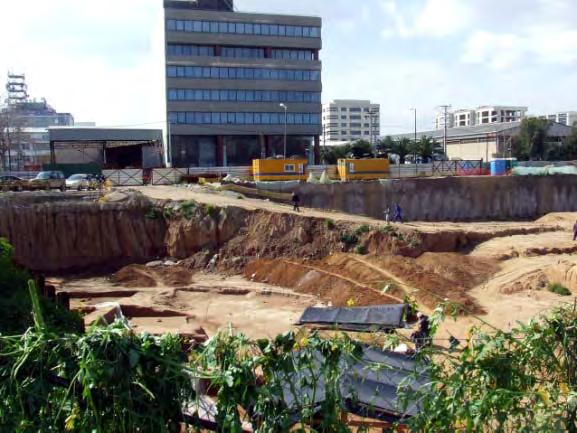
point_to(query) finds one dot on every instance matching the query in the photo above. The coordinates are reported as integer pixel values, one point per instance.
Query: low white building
(568, 118)
(346, 120)
(484, 115)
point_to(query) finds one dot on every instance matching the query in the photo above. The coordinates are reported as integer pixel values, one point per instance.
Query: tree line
(532, 143)
(424, 149)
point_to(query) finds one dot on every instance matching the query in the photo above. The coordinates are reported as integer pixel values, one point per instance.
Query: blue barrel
(499, 167)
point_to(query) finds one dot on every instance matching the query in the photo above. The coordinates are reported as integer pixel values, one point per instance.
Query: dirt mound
(318, 281)
(134, 276)
(431, 278)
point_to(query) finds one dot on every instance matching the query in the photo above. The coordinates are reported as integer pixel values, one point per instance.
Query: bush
(360, 249)
(212, 211)
(349, 239)
(362, 230)
(15, 303)
(187, 209)
(330, 224)
(559, 289)
(154, 213)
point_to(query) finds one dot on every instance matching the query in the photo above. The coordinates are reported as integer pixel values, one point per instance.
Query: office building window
(355, 117)
(241, 52)
(205, 72)
(198, 26)
(244, 96)
(241, 118)
(293, 54)
(355, 132)
(355, 110)
(355, 125)
(189, 50)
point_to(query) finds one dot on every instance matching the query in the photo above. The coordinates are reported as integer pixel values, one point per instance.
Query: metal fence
(126, 177)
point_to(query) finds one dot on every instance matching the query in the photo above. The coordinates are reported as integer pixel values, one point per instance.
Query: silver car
(81, 181)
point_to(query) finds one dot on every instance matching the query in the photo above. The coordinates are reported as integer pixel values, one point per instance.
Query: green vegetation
(212, 211)
(154, 213)
(361, 249)
(329, 224)
(559, 289)
(16, 304)
(187, 209)
(364, 229)
(349, 239)
(532, 143)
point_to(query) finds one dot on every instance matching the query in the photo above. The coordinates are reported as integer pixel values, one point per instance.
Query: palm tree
(427, 147)
(402, 147)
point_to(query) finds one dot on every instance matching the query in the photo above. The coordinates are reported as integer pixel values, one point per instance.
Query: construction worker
(296, 201)
(398, 213)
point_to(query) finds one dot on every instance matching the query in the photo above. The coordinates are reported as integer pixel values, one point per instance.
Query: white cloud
(507, 51)
(437, 18)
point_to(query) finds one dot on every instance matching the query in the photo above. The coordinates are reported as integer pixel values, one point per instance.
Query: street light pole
(415, 146)
(285, 124)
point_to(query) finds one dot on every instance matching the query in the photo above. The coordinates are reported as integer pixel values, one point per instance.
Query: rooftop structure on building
(351, 119)
(568, 118)
(236, 82)
(27, 121)
(484, 142)
(487, 114)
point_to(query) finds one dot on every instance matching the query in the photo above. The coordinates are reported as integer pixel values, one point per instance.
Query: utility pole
(445, 108)
(415, 145)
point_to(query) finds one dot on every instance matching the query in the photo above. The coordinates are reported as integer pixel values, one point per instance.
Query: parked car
(12, 183)
(82, 181)
(49, 180)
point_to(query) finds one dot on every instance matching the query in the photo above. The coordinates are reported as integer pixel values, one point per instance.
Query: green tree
(531, 143)
(401, 147)
(360, 149)
(427, 147)
(385, 145)
(331, 154)
(570, 146)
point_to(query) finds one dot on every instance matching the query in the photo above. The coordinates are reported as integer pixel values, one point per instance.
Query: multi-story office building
(568, 118)
(481, 116)
(239, 83)
(350, 119)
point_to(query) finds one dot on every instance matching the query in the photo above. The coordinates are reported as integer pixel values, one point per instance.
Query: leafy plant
(362, 230)
(349, 239)
(559, 289)
(360, 249)
(187, 209)
(212, 211)
(330, 224)
(154, 213)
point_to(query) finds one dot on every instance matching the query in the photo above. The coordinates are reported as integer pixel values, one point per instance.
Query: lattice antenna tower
(17, 88)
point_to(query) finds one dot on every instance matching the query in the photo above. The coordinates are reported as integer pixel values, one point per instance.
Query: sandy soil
(212, 302)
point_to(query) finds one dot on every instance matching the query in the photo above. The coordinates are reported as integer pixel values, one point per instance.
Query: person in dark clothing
(398, 213)
(296, 201)
(575, 232)
(422, 337)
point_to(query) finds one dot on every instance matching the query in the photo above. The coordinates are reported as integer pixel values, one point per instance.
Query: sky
(103, 60)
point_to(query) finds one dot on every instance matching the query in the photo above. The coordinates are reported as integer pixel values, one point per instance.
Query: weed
(387, 230)
(168, 212)
(349, 239)
(212, 211)
(329, 224)
(153, 213)
(362, 230)
(559, 289)
(240, 197)
(360, 249)
(414, 243)
(187, 209)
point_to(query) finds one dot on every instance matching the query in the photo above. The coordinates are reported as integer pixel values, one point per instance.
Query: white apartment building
(350, 120)
(481, 116)
(568, 118)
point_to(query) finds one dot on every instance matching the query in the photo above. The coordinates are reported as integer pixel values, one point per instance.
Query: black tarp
(379, 317)
(368, 385)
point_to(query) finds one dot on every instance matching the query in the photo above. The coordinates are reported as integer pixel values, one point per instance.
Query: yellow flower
(564, 388)
(544, 396)
(351, 302)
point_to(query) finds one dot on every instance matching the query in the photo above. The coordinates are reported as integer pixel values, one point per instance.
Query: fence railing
(126, 177)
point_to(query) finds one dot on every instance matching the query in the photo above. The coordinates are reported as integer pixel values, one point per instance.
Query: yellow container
(265, 170)
(363, 169)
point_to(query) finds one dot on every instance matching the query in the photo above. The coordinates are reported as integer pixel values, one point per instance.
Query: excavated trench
(336, 262)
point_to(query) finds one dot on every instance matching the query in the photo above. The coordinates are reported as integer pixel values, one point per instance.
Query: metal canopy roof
(379, 317)
(103, 134)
